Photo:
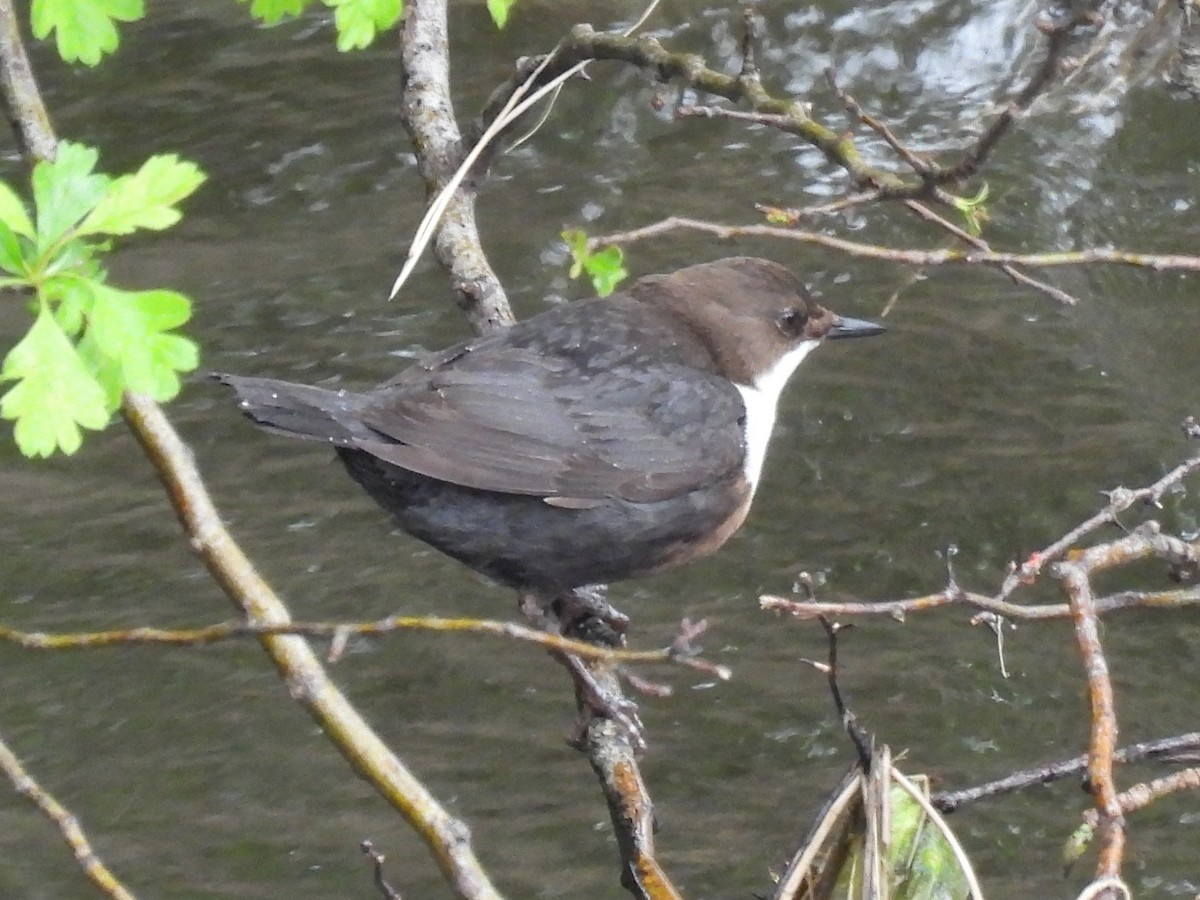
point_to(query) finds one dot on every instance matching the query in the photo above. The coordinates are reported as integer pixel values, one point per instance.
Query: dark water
(988, 419)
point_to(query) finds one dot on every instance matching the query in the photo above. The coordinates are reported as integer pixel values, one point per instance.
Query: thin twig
(943, 257)
(949, 801)
(220, 631)
(954, 596)
(1120, 499)
(1142, 795)
(377, 860)
(1058, 34)
(68, 826)
(923, 167)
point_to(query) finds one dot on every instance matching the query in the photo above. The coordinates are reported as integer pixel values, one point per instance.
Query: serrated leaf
(358, 21)
(130, 330)
(54, 395)
(145, 199)
(13, 212)
(499, 11)
(65, 190)
(270, 12)
(84, 30)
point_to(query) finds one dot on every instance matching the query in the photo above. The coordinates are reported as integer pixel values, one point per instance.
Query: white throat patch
(761, 400)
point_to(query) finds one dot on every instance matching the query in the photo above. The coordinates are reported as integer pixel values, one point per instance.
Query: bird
(600, 440)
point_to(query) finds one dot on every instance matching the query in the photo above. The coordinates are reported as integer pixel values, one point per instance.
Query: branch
(1142, 795)
(953, 595)
(614, 762)
(1146, 542)
(306, 679)
(428, 115)
(68, 826)
(927, 258)
(949, 801)
(340, 631)
(1058, 27)
(794, 117)
(1120, 499)
(1074, 576)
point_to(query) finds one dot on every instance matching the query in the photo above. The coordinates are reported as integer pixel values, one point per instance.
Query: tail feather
(299, 410)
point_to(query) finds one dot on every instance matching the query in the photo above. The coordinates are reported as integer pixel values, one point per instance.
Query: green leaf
(74, 258)
(499, 10)
(83, 29)
(145, 199)
(65, 190)
(577, 246)
(973, 209)
(606, 268)
(358, 21)
(54, 395)
(129, 330)
(13, 212)
(273, 11)
(12, 259)
(72, 298)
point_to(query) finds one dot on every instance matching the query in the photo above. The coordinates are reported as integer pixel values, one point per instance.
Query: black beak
(845, 327)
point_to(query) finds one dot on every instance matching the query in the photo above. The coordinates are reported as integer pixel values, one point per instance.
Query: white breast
(761, 400)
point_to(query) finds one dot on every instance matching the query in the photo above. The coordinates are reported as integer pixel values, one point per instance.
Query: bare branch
(68, 826)
(612, 758)
(1163, 748)
(1102, 745)
(427, 112)
(377, 860)
(209, 634)
(929, 258)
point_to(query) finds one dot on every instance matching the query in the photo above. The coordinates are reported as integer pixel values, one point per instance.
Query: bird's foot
(583, 614)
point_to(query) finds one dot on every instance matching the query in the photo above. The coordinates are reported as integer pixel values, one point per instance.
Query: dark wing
(549, 424)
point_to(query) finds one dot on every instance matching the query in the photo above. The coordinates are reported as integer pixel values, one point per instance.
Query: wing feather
(541, 426)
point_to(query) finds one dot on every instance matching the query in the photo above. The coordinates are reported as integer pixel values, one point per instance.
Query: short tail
(299, 410)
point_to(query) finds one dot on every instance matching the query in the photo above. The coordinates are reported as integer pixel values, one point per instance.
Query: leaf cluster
(86, 30)
(606, 268)
(90, 341)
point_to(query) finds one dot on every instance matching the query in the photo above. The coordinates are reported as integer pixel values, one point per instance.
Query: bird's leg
(593, 697)
(585, 614)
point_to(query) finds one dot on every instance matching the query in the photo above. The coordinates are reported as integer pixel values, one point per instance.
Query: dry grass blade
(879, 838)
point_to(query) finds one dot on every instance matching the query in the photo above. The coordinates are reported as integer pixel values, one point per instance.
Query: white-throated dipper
(599, 440)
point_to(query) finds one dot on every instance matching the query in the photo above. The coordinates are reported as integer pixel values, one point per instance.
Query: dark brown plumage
(599, 440)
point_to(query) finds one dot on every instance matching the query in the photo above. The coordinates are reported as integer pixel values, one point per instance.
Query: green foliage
(1076, 845)
(90, 341)
(357, 21)
(606, 268)
(499, 10)
(920, 864)
(973, 210)
(273, 11)
(84, 30)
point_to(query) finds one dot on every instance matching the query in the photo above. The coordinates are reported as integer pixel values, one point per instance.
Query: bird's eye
(791, 321)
